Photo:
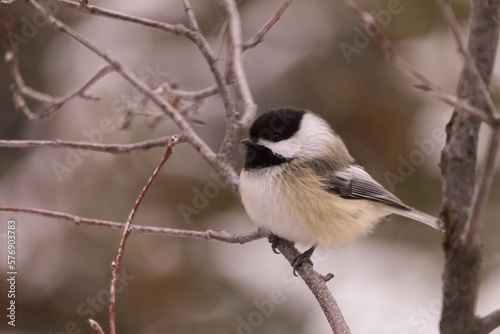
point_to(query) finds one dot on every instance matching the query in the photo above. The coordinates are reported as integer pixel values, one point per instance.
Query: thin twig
(489, 322)
(250, 109)
(259, 36)
(424, 83)
(472, 228)
(95, 326)
(115, 265)
(232, 126)
(462, 47)
(107, 148)
(177, 29)
(317, 284)
(54, 103)
(221, 236)
(223, 167)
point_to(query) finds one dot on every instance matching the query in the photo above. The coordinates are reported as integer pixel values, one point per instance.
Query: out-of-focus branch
(317, 284)
(423, 82)
(115, 265)
(223, 167)
(107, 148)
(259, 36)
(22, 91)
(95, 326)
(171, 232)
(450, 18)
(488, 323)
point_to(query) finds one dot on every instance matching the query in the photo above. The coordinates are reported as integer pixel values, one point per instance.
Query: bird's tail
(421, 217)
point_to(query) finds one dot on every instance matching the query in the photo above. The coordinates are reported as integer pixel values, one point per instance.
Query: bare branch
(222, 166)
(250, 109)
(191, 96)
(21, 90)
(489, 322)
(177, 29)
(472, 228)
(462, 47)
(424, 83)
(171, 232)
(115, 265)
(317, 285)
(95, 326)
(107, 148)
(259, 36)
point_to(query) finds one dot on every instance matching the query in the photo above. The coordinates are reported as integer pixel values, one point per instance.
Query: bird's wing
(353, 182)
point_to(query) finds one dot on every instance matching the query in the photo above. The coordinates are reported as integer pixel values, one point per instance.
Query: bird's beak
(247, 142)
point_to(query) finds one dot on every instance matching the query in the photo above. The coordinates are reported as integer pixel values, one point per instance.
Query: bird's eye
(276, 138)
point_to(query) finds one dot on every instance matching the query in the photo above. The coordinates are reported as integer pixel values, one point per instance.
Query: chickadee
(300, 183)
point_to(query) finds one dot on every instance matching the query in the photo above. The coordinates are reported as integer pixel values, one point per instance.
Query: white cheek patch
(289, 148)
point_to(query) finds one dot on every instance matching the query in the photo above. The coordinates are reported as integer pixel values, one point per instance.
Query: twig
(232, 127)
(223, 167)
(317, 285)
(241, 81)
(384, 43)
(95, 326)
(472, 228)
(489, 322)
(54, 103)
(221, 236)
(462, 47)
(115, 265)
(191, 96)
(107, 148)
(259, 36)
(177, 29)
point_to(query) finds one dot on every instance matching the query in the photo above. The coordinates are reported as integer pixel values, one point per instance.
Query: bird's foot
(274, 240)
(305, 257)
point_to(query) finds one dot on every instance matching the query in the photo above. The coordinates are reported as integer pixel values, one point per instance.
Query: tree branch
(21, 90)
(243, 89)
(115, 265)
(424, 83)
(464, 198)
(259, 36)
(317, 284)
(223, 167)
(107, 148)
(170, 232)
(489, 322)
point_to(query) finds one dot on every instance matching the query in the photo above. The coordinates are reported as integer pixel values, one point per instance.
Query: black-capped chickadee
(300, 183)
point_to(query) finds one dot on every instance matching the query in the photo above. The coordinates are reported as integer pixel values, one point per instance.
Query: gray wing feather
(354, 183)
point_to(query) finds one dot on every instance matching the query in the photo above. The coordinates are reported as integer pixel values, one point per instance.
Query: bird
(300, 183)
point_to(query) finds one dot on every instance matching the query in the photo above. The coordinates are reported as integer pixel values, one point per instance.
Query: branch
(107, 148)
(221, 236)
(317, 284)
(232, 127)
(21, 90)
(243, 89)
(95, 326)
(115, 265)
(259, 36)
(464, 196)
(222, 166)
(489, 322)
(424, 83)
(445, 6)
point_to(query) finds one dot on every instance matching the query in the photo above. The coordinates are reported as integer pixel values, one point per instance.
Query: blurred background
(317, 57)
